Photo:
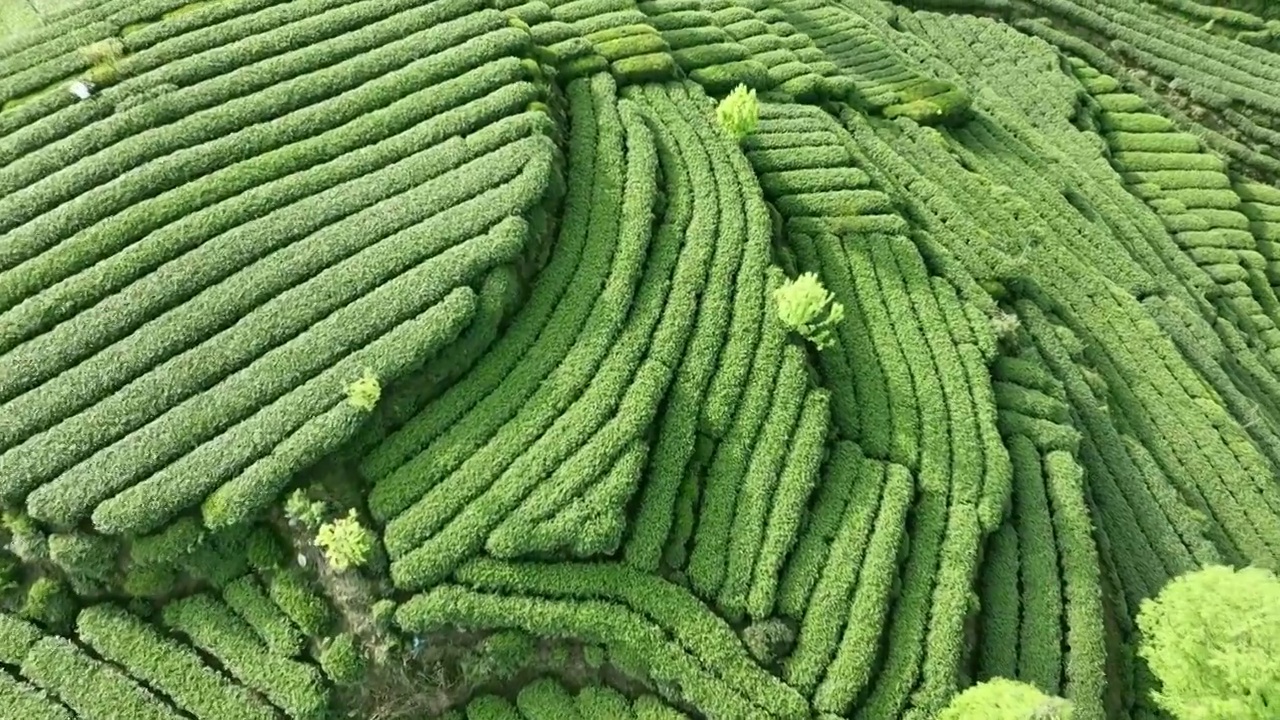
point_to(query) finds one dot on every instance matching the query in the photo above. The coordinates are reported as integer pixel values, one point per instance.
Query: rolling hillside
(728, 359)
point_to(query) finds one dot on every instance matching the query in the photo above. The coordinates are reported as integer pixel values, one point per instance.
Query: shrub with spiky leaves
(1004, 699)
(1212, 637)
(808, 308)
(346, 542)
(363, 394)
(739, 112)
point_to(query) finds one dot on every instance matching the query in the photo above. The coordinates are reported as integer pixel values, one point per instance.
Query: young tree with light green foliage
(363, 394)
(1005, 699)
(808, 308)
(1212, 637)
(302, 510)
(346, 542)
(739, 112)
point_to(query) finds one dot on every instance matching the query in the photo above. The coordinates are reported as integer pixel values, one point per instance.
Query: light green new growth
(346, 542)
(302, 510)
(363, 394)
(739, 112)
(1004, 699)
(1212, 637)
(808, 308)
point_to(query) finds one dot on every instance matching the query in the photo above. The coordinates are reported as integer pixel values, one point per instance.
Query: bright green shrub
(1212, 638)
(600, 701)
(363, 393)
(499, 657)
(492, 707)
(302, 511)
(806, 307)
(341, 658)
(739, 112)
(168, 666)
(1004, 699)
(347, 543)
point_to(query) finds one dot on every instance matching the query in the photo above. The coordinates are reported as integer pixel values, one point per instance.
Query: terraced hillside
(640, 359)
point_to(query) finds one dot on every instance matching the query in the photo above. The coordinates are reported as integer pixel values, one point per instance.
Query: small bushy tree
(346, 542)
(1005, 699)
(1212, 637)
(363, 394)
(302, 510)
(808, 308)
(739, 112)
(768, 639)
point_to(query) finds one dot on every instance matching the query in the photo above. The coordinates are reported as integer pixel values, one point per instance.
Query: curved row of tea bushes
(465, 186)
(623, 609)
(709, 381)
(485, 425)
(657, 326)
(163, 664)
(294, 686)
(546, 699)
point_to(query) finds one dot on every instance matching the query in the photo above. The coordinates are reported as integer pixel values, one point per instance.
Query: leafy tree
(1212, 637)
(1005, 699)
(808, 308)
(346, 542)
(739, 112)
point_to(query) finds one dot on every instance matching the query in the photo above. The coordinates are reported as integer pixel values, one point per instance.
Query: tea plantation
(574, 359)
